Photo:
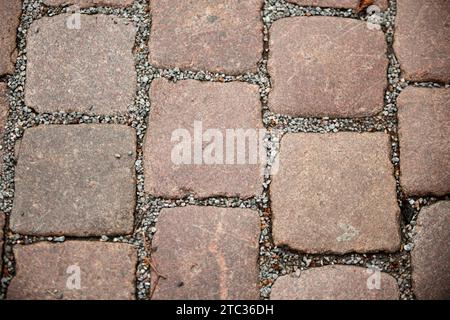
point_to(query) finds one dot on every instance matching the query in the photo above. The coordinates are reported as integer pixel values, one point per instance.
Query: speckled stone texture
(70, 181)
(48, 271)
(217, 36)
(424, 128)
(335, 193)
(352, 4)
(89, 70)
(207, 253)
(10, 11)
(4, 107)
(317, 63)
(89, 3)
(336, 283)
(2, 226)
(175, 107)
(422, 39)
(430, 258)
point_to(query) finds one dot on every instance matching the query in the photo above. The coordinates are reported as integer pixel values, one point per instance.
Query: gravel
(274, 261)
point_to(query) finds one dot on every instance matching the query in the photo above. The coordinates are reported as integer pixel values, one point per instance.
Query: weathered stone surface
(424, 128)
(422, 39)
(218, 36)
(4, 107)
(430, 258)
(178, 106)
(326, 66)
(90, 69)
(90, 3)
(10, 11)
(352, 4)
(76, 180)
(207, 253)
(336, 283)
(2, 226)
(335, 193)
(48, 271)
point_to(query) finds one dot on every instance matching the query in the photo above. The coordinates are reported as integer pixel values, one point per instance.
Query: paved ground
(100, 198)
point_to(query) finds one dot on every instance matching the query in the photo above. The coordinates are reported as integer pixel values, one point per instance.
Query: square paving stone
(430, 258)
(335, 193)
(87, 69)
(207, 253)
(217, 36)
(326, 66)
(422, 39)
(352, 4)
(10, 11)
(4, 107)
(177, 157)
(74, 270)
(336, 282)
(424, 131)
(90, 3)
(75, 180)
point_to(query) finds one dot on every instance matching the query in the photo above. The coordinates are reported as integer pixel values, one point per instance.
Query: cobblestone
(336, 283)
(74, 270)
(422, 41)
(207, 253)
(424, 122)
(89, 69)
(335, 193)
(219, 36)
(9, 21)
(316, 64)
(431, 254)
(70, 182)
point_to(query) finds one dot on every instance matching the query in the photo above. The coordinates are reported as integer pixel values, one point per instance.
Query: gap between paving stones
(273, 261)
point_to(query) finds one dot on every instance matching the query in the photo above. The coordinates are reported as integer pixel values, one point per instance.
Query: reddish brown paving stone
(217, 36)
(326, 66)
(430, 258)
(424, 128)
(4, 107)
(177, 106)
(90, 3)
(2, 226)
(422, 39)
(49, 271)
(207, 253)
(335, 193)
(336, 283)
(70, 181)
(90, 69)
(352, 4)
(10, 11)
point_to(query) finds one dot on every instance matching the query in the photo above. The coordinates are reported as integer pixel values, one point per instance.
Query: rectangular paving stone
(422, 39)
(74, 270)
(4, 107)
(75, 180)
(326, 66)
(335, 193)
(90, 3)
(336, 282)
(217, 36)
(176, 156)
(206, 253)
(424, 131)
(430, 258)
(89, 69)
(10, 11)
(352, 4)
